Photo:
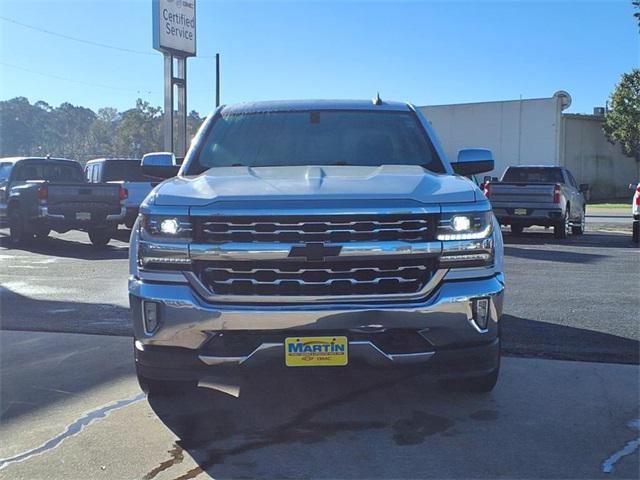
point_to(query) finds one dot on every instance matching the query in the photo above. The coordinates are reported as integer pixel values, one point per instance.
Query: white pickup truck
(126, 172)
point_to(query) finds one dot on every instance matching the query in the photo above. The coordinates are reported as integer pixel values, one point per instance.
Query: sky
(424, 52)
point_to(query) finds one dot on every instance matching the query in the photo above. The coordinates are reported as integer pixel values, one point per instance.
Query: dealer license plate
(316, 351)
(83, 216)
(520, 211)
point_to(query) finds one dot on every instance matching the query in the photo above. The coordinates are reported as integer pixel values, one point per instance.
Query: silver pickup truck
(316, 234)
(530, 195)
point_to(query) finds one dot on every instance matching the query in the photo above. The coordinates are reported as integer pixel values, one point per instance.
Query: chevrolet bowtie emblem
(315, 252)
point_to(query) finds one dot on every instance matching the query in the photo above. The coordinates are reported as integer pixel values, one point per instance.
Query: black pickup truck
(38, 195)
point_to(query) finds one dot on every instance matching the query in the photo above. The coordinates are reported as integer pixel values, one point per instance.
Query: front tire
(580, 229)
(635, 235)
(100, 236)
(164, 388)
(516, 229)
(481, 384)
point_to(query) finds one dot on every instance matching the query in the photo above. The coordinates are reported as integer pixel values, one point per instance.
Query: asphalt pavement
(71, 410)
(574, 299)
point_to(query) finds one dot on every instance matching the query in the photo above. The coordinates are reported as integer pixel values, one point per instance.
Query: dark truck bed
(52, 194)
(83, 204)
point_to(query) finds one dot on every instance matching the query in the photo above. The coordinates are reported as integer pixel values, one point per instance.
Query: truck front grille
(325, 229)
(328, 278)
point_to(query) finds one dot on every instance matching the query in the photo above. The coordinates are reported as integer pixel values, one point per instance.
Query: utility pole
(217, 80)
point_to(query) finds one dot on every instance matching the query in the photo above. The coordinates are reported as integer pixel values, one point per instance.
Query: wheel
(562, 228)
(18, 232)
(100, 236)
(164, 388)
(635, 236)
(42, 233)
(483, 384)
(580, 229)
(516, 229)
(129, 223)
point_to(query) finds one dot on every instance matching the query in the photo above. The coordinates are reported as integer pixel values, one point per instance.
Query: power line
(81, 82)
(82, 40)
(75, 39)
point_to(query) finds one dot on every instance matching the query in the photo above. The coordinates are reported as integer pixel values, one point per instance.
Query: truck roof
(534, 166)
(19, 159)
(297, 105)
(105, 159)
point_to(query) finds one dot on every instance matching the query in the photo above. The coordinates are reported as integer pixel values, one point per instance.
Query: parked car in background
(347, 238)
(635, 211)
(538, 195)
(128, 173)
(38, 195)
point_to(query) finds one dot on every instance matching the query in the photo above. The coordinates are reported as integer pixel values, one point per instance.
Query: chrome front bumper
(445, 320)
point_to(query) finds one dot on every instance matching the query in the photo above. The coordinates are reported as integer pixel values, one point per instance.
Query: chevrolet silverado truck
(38, 195)
(316, 234)
(530, 195)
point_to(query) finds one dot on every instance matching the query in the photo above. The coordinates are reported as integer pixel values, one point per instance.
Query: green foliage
(636, 5)
(79, 133)
(622, 123)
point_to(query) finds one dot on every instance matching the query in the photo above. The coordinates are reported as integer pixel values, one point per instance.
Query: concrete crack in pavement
(72, 430)
(630, 447)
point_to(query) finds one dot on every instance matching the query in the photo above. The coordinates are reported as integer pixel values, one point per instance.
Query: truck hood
(300, 183)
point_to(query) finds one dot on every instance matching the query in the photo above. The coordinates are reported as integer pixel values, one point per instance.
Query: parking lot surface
(71, 407)
(574, 299)
(74, 411)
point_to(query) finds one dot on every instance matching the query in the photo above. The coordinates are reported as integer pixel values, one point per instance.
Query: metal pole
(181, 147)
(217, 80)
(168, 102)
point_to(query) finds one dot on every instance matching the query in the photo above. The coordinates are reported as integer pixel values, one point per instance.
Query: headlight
(164, 227)
(467, 239)
(465, 226)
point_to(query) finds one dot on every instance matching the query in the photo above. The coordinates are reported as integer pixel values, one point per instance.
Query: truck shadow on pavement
(296, 410)
(534, 338)
(589, 239)
(67, 248)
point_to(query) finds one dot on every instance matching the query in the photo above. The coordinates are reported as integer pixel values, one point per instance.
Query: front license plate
(520, 211)
(83, 216)
(316, 351)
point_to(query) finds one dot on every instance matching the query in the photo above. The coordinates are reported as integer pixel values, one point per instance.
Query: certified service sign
(174, 27)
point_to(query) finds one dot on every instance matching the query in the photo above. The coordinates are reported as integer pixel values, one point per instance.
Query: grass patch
(610, 205)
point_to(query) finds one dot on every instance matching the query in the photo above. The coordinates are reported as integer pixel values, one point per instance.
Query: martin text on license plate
(520, 211)
(316, 351)
(83, 216)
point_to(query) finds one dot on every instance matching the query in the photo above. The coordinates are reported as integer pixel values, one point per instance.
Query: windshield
(316, 138)
(123, 170)
(51, 171)
(533, 175)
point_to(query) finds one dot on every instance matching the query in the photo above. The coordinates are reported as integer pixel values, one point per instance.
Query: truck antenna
(377, 100)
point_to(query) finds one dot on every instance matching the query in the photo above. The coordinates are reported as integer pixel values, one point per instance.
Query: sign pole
(181, 82)
(174, 34)
(217, 80)
(168, 102)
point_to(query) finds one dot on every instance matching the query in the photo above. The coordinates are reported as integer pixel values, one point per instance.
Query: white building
(536, 131)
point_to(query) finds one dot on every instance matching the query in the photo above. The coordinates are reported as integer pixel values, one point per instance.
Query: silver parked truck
(549, 196)
(306, 234)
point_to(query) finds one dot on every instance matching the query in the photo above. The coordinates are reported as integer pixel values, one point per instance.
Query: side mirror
(583, 187)
(472, 161)
(160, 165)
(488, 178)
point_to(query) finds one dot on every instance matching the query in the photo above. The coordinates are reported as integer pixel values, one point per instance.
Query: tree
(622, 123)
(636, 4)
